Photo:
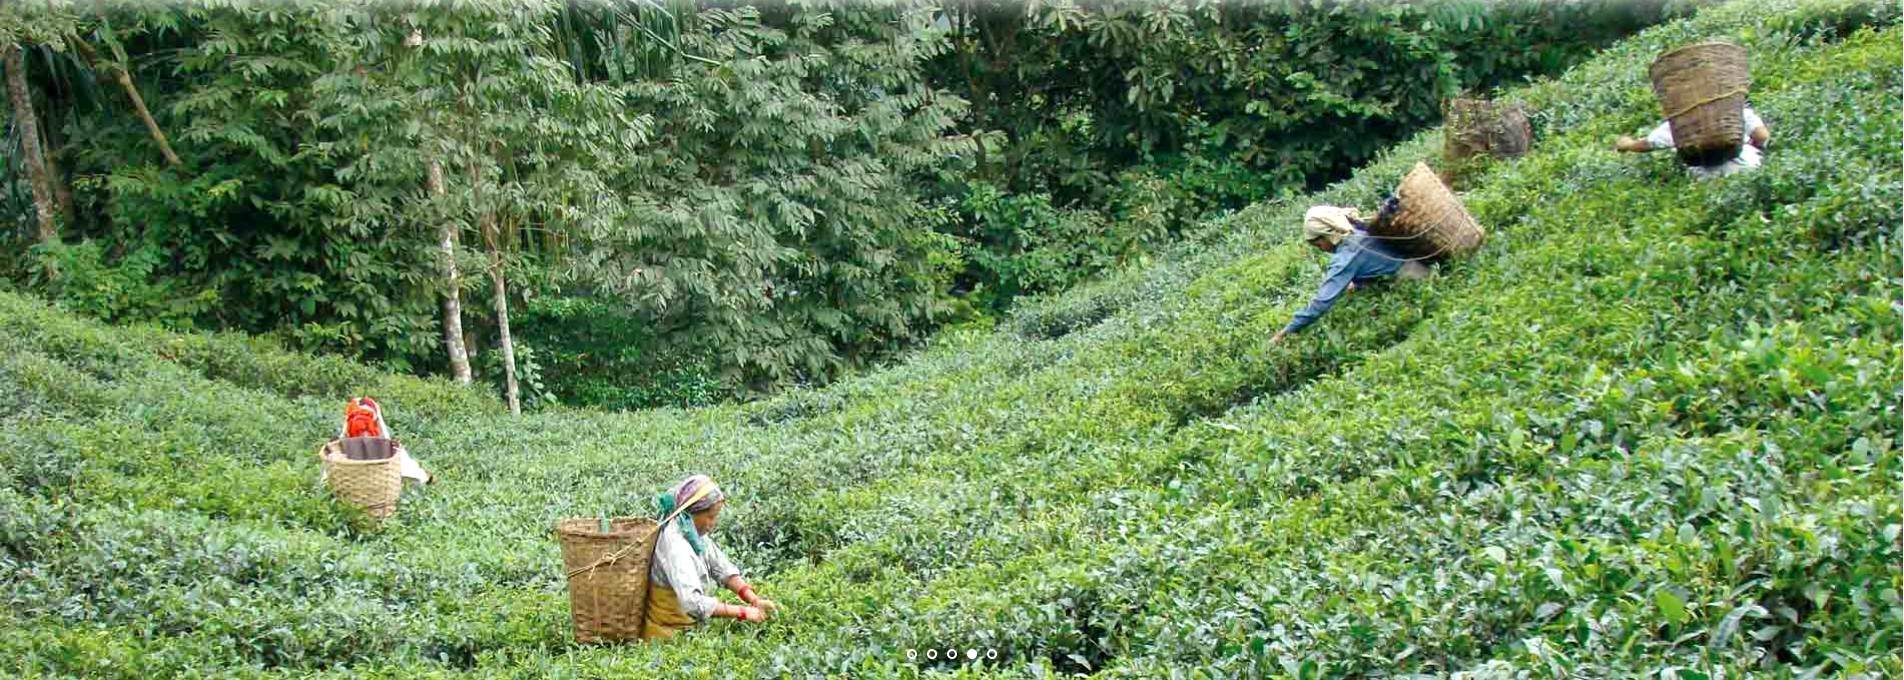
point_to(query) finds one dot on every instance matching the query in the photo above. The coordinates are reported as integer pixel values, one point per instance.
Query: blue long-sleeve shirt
(1357, 259)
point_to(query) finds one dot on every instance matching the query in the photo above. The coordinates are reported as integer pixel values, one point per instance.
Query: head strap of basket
(1701, 90)
(692, 496)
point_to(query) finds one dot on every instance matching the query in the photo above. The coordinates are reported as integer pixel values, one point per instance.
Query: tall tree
(492, 240)
(485, 92)
(448, 231)
(288, 219)
(777, 225)
(452, 286)
(32, 154)
(418, 90)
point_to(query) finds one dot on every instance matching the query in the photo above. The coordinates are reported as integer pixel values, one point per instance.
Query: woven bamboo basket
(364, 471)
(1701, 90)
(1431, 222)
(608, 575)
(1479, 126)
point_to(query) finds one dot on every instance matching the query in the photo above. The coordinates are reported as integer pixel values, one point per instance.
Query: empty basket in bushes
(1430, 222)
(1701, 89)
(364, 471)
(608, 575)
(1477, 126)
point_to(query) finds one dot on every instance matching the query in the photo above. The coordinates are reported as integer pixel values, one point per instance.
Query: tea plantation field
(1652, 429)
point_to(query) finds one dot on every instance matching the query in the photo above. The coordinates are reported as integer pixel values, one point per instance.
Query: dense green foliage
(1242, 99)
(1651, 429)
(757, 195)
(744, 193)
(597, 354)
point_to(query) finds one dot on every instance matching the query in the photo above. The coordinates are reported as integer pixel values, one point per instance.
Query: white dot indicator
(912, 654)
(971, 654)
(932, 653)
(991, 653)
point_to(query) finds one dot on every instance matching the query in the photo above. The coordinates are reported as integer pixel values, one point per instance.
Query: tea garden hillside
(1649, 428)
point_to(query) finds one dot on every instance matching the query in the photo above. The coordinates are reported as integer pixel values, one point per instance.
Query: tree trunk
(30, 139)
(62, 196)
(502, 323)
(53, 146)
(124, 79)
(492, 239)
(453, 292)
(152, 126)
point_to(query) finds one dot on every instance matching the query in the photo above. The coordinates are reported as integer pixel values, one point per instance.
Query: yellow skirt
(665, 617)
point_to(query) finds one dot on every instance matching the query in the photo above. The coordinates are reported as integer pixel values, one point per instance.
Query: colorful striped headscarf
(673, 498)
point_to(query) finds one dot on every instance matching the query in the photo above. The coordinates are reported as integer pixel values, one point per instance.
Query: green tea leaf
(1671, 606)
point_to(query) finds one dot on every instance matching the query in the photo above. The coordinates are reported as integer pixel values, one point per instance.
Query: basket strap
(1704, 102)
(326, 453)
(617, 555)
(1439, 250)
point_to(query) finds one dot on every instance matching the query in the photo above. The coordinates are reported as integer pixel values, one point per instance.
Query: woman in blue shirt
(1355, 257)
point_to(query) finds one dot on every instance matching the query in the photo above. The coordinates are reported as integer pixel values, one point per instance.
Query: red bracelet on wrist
(747, 595)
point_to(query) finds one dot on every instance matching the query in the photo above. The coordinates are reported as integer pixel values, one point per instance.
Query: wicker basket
(1479, 126)
(364, 471)
(608, 575)
(1701, 90)
(1431, 223)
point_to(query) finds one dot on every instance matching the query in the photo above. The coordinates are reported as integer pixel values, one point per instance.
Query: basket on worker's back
(1473, 127)
(608, 575)
(1701, 90)
(1430, 222)
(364, 471)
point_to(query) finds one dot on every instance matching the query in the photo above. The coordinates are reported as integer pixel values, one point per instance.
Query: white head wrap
(1329, 222)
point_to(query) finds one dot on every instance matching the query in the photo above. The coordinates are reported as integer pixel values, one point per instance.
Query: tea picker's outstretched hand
(740, 612)
(754, 601)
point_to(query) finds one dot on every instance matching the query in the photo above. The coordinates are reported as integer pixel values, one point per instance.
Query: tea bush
(1652, 428)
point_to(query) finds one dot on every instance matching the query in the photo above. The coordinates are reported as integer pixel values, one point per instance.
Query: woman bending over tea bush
(686, 560)
(1748, 157)
(1355, 257)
